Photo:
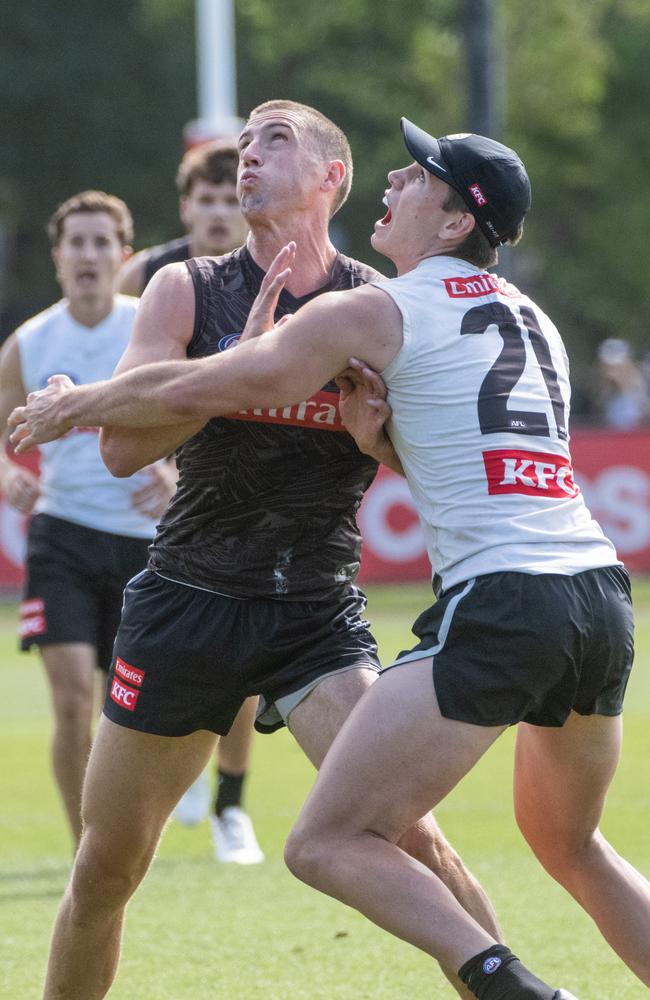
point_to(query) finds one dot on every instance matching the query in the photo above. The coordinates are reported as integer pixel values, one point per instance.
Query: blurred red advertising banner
(612, 468)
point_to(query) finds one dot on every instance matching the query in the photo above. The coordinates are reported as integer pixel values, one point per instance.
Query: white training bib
(75, 483)
(480, 396)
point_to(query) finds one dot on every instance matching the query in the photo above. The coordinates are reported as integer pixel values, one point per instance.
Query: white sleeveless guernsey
(75, 483)
(480, 396)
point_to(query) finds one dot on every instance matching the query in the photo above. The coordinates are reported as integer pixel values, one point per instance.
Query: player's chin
(377, 238)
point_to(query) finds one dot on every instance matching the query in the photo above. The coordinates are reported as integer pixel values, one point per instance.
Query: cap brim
(425, 150)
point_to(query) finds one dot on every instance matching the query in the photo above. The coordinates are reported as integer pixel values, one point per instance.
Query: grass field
(198, 930)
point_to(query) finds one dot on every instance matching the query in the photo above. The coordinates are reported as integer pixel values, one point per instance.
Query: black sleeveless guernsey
(267, 498)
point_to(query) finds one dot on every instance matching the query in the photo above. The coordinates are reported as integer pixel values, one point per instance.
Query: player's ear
(127, 252)
(183, 211)
(334, 175)
(457, 226)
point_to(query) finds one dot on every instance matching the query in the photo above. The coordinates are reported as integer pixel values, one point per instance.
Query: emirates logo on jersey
(478, 285)
(321, 413)
(531, 473)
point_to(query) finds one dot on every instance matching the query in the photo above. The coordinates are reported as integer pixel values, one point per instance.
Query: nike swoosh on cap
(434, 163)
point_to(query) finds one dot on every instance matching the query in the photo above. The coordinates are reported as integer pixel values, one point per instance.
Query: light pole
(484, 69)
(216, 74)
(486, 84)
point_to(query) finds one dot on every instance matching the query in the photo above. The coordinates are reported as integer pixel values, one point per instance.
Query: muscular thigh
(316, 720)
(562, 774)
(395, 757)
(134, 780)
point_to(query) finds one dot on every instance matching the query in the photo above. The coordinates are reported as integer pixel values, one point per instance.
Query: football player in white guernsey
(533, 623)
(90, 532)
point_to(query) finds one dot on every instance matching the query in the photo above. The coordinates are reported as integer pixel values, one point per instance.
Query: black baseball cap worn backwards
(489, 177)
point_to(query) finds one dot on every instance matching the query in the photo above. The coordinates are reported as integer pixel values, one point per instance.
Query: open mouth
(385, 221)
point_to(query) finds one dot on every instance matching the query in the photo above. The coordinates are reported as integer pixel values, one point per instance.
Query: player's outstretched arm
(139, 426)
(285, 366)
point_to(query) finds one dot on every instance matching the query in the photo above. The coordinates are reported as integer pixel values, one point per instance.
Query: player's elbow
(116, 456)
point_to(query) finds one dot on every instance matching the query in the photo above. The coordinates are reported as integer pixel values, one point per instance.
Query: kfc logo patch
(531, 473)
(128, 673)
(477, 195)
(123, 695)
(32, 618)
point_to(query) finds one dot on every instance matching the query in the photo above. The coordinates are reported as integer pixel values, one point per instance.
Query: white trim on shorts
(281, 708)
(443, 631)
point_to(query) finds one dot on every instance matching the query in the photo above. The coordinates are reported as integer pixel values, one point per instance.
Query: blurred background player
(209, 209)
(622, 394)
(90, 532)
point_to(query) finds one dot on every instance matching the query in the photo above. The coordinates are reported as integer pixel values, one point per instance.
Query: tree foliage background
(97, 94)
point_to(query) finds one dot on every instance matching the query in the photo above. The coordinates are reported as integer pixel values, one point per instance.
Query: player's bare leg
(232, 830)
(133, 782)
(234, 750)
(561, 779)
(71, 670)
(315, 723)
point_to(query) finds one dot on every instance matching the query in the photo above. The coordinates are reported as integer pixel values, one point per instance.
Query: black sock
(229, 790)
(497, 974)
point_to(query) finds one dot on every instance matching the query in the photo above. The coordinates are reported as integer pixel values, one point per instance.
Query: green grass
(198, 930)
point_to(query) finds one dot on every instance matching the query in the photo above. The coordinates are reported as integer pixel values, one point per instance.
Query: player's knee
(73, 709)
(304, 852)
(104, 877)
(561, 849)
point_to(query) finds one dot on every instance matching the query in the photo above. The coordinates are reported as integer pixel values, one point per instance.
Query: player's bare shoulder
(169, 298)
(164, 321)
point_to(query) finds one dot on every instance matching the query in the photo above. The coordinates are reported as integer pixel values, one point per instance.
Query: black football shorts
(513, 647)
(75, 583)
(185, 659)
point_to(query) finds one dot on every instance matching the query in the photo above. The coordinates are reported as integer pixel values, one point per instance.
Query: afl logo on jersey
(229, 341)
